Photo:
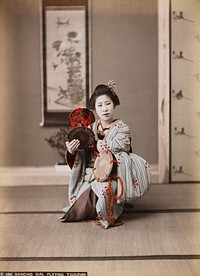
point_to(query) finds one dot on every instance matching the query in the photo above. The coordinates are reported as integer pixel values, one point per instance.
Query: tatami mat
(160, 235)
(54, 198)
(112, 268)
(155, 234)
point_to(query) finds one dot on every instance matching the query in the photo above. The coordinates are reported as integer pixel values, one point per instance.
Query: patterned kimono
(133, 174)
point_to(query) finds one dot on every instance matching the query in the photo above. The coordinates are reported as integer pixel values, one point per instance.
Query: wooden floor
(160, 236)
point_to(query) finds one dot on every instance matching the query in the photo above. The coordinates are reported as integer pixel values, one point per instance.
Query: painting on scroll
(65, 61)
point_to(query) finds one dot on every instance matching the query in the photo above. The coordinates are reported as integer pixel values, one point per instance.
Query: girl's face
(104, 107)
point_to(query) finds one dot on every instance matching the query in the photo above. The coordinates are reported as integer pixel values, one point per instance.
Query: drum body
(84, 135)
(105, 166)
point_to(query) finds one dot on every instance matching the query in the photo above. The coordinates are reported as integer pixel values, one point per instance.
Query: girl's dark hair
(100, 90)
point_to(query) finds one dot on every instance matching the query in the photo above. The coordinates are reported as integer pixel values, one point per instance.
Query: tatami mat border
(101, 258)
(126, 212)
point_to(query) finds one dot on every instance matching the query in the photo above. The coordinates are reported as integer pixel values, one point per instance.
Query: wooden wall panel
(185, 90)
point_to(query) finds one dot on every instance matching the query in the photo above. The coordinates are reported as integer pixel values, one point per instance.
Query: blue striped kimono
(133, 174)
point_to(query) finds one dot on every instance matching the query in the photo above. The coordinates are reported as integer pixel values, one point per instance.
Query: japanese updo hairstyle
(100, 90)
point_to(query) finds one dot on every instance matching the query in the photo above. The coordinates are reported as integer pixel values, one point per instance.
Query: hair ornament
(112, 85)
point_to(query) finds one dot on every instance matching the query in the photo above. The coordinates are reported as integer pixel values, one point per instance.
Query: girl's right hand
(72, 146)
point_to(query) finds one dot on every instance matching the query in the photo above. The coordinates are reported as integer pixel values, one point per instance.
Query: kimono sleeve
(118, 141)
(70, 159)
